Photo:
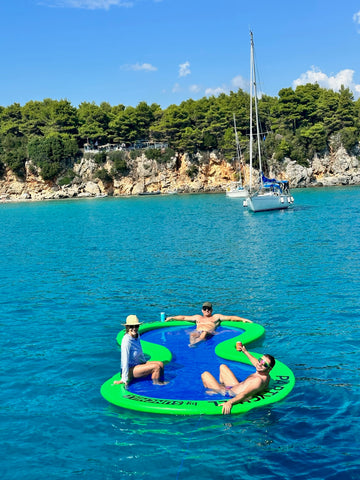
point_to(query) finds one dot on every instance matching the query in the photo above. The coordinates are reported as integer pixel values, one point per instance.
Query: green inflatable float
(164, 401)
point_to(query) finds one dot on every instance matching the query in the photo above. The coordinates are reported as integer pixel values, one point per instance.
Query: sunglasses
(262, 362)
(207, 309)
(134, 326)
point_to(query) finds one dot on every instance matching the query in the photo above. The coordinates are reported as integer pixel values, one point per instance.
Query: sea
(72, 270)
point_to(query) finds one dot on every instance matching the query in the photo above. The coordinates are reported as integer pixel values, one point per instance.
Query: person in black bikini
(207, 323)
(228, 384)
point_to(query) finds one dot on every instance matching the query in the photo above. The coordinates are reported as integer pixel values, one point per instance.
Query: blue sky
(167, 51)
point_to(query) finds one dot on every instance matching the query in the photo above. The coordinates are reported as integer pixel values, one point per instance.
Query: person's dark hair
(127, 328)
(271, 358)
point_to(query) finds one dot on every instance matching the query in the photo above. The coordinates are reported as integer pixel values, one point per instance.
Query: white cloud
(147, 67)
(356, 17)
(237, 82)
(240, 82)
(176, 88)
(184, 69)
(194, 88)
(334, 82)
(215, 91)
(87, 4)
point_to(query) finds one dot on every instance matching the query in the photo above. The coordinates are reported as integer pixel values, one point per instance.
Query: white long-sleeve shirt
(131, 355)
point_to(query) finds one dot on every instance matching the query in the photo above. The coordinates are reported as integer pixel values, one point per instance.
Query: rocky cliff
(205, 173)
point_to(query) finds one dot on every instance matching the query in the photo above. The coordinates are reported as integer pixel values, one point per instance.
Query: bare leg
(196, 337)
(227, 377)
(210, 382)
(153, 368)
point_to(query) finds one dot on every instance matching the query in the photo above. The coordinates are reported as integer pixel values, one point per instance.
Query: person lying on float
(229, 385)
(207, 323)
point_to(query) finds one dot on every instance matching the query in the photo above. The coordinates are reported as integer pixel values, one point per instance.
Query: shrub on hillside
(119, 160)
(103, 175)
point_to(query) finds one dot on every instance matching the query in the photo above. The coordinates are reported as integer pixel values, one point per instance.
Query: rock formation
(202, 173)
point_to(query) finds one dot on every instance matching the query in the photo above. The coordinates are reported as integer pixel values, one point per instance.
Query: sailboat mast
(238, 152)
(251, 106)
(256, 107)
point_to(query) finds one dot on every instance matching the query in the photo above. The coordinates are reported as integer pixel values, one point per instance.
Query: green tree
(346, 108)
(286, 111)
(228, 143)
(103, 175)
(11, 120)
(315, 138)
(169, 124)
(283, 149)
(190, 140)
(153, 153)
(119, 160)
(52, 154)
(14, 153)
(63, 118)
(349, 137)
(326, 107)
(93, 123)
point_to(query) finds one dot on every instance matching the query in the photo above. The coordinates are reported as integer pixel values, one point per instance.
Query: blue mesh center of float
(188, 363)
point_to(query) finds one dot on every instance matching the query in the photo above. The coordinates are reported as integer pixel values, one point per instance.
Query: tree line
(296, 123)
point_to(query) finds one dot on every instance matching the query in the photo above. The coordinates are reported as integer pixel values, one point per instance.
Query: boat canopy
(273, 186)
(274, 183)
(270, 180)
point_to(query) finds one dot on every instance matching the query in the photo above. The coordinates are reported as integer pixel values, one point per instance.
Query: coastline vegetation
(297, 124)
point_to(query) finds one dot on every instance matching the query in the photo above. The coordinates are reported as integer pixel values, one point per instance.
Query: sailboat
(236, 189)
(271, 194)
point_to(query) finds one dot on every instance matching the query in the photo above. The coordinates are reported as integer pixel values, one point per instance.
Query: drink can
(239, 344)
(162, 316)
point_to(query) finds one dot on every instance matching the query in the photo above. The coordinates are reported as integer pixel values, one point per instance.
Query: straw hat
(132, 320)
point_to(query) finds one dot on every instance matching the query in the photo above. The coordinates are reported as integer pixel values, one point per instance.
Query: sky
(167, 51)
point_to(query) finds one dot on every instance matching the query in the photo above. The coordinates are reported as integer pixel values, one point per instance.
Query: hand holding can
(239, 346)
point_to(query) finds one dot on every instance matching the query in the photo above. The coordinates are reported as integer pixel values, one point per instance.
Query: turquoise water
(71, 271)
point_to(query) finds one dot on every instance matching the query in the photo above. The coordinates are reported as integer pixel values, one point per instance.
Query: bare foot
(160, 383)
(195, 340)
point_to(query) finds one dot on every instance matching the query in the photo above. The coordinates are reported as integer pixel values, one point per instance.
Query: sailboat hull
(263, 203)
(237, 193)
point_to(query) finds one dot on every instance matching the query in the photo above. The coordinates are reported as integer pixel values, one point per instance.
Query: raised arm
(233, 318)
(241, 348)
(187, 318)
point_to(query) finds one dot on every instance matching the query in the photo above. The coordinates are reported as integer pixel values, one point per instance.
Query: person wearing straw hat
(133, 361)
(206, 323)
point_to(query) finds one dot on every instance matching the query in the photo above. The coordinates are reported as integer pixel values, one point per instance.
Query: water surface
(71, 271)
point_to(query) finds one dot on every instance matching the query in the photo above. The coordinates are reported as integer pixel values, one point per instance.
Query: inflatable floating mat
(185, 393)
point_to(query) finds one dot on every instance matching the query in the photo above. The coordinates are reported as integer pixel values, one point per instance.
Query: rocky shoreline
(204, 174)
